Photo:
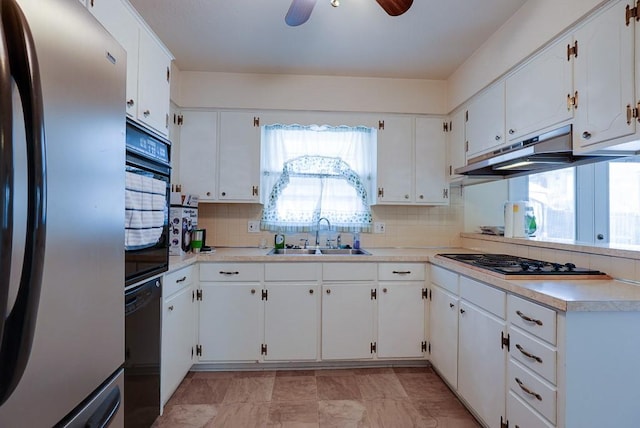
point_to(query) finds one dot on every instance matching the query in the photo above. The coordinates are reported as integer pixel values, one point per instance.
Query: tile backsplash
(406, 226)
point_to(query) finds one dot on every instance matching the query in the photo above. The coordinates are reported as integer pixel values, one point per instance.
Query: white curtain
(310, 172)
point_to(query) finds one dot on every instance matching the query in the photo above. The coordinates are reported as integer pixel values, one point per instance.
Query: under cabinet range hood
(547, 151)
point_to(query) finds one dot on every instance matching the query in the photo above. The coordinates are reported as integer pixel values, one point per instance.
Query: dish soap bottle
(356, 240)
(279, 241)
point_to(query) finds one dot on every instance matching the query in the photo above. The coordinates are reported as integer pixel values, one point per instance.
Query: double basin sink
(318, 252)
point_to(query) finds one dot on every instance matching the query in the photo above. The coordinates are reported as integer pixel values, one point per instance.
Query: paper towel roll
(508, 219)
(519, 209)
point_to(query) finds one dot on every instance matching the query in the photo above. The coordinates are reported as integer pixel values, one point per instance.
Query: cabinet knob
(253, 291)
(224, 193)
(130, 103)
(384, 290)
(512, 131)
(146, 113)
(406, 196)
(498, 137)
(421, 196)
(462, 311)
(451, 305)
(586, 135)
(171, 307)
(208, 193)
(311, 291)
(328, 291)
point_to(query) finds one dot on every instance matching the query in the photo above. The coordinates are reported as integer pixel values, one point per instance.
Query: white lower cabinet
(481, 355)
(347, 321)
(443, 339)
(178, 329)
(521, 416)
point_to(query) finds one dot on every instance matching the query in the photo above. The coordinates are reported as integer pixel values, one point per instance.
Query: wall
(529, 29)
(316, 93)
(406, 226)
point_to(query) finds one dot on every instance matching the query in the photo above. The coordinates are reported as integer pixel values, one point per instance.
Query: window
(552, 195)
(310, 172)
(624, 201)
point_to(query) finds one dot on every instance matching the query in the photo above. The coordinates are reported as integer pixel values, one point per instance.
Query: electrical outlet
(379, 227)
(253, 226)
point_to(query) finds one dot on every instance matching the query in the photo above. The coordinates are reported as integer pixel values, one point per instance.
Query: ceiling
(358, 38)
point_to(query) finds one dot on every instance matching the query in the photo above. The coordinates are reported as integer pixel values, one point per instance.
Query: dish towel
(145, 210)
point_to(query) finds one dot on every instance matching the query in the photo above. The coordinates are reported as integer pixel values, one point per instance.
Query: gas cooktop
(505, 265)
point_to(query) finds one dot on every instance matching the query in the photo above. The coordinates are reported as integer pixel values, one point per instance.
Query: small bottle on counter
(356, 240)
(279, 241)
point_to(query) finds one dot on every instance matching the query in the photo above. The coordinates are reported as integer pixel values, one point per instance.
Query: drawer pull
(402, 272)
(527, 390)
(229, 273)
(527, 354)
(183, 279)
(451, 305)
(528, 319)
(171, 307)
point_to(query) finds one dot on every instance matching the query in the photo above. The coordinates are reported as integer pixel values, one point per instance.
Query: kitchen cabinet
(402, 310)
(292, 311)
(604, 80)
(231, 312)
(537, 93)
(348, 311)
(198, 158)
(456, 156)
(431, 180)
(148, 63)
(178, 329)
(239, 154)
(411, 161)
(484, 121)
(443, 324)
(482, 355)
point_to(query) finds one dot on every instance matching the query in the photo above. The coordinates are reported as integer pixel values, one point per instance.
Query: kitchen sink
(321, 251)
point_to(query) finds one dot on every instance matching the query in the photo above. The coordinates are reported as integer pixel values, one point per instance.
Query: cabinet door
(604, 78)
(239, 154)
(432, 185)
(230, 321)
(154, 77)
(455, 144)
(443, 327)
(482, 363)
(484, 127)
(536, 94)
(401, 320)
(291, 321)
(198, 157)
(123, 26)
(395, 161)
(347, 321)
(178, 340)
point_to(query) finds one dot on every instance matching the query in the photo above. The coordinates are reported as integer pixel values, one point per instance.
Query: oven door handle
(19, 327)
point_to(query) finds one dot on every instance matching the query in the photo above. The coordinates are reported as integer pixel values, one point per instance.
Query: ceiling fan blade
(299, 12)
(395, 7)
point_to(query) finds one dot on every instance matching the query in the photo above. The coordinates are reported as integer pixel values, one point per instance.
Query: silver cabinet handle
(527, 390)
(527, 354)
(183, 279)
(528, 319)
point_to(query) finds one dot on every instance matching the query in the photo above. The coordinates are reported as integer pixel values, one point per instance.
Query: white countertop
(562, 295)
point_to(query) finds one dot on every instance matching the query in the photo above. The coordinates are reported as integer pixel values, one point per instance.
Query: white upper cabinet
(537, 93)
(484, 127)
(148, 64)
(198, 157)
(239, 157)
(395, 160)
(604, 79)
(455, 144)
(431, 180)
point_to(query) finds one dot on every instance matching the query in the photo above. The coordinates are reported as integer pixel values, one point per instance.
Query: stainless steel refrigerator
(62, 158)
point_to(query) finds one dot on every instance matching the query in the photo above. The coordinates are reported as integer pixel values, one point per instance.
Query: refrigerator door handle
(6, 178)
(19, 327)
(107, 410)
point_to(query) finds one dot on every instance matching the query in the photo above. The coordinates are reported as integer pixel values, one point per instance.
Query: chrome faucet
(318, 228)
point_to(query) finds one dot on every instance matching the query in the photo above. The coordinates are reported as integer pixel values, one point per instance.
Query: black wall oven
(147, 188)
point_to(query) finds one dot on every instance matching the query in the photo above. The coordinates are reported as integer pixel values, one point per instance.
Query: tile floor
(373, 397)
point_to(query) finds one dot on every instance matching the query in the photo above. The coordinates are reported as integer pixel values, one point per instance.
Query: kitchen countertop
(565, 295)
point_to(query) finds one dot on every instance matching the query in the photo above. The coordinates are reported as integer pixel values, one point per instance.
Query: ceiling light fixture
(335, 3)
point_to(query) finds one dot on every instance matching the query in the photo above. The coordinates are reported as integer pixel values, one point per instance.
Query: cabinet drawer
(231, 271)
(522, 416)
(177, 280)
(533, 353)
(349, 271)
(292, 271)
(488, 298)
(532, 390)
(401, 271)
(533, 318)
(445, 279)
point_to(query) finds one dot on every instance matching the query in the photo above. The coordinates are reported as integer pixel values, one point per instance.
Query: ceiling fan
(300, 10)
